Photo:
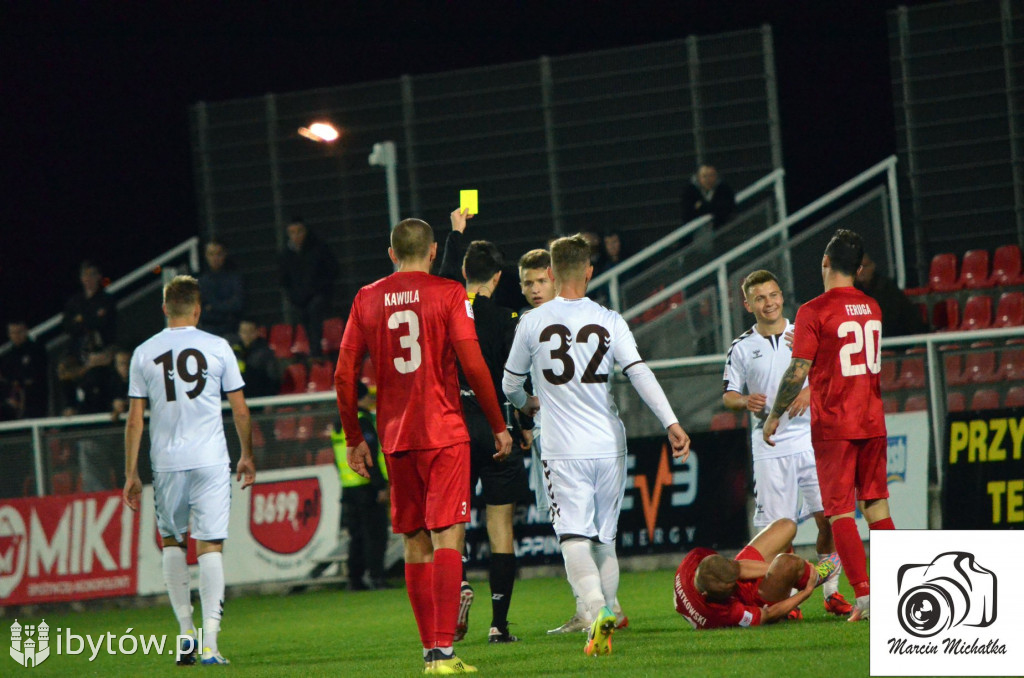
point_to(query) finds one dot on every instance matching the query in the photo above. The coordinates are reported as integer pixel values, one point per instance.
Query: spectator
(90, 316)
(221, 292)
(308, 270)
(103, 388)
(613, 252)
(24, 369)
(256, 361)
(899, 316)
(707, 194)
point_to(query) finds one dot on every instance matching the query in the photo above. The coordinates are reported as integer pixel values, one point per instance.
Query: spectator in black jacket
(256, 361)
(308, 270)
(900, 317)
(90, 316)
(221, 291)
(24, 369)
(708, 194)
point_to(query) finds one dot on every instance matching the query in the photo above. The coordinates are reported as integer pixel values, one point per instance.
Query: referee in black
(503, 482)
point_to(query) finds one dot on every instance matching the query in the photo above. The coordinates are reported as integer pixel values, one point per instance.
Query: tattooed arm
(789, 388)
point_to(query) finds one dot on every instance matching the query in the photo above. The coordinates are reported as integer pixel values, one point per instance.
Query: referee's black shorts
(502, 482)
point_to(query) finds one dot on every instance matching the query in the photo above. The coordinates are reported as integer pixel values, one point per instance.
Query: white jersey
(570, 347)
(182, 370)
(755, 364)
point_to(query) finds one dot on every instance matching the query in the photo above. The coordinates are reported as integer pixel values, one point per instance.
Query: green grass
(336, 633)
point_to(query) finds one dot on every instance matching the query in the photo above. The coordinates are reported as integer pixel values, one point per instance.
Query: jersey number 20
(866, 339)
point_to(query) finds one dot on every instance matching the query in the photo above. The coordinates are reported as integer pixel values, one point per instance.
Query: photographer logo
(951, 590)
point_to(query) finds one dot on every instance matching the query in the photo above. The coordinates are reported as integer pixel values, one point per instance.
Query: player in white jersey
(182, 371)
(782, 474)
(570, 345)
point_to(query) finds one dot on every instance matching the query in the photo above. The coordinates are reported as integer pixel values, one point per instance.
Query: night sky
(95, 138)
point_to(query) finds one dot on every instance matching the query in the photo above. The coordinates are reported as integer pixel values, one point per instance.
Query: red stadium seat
(321, 377)
(977, 314)
(974, 270)
(286, 427)
(1014, 397)
(942, 274)
(946, 315)
(300, 341)
(1010, 310)
(956, 401)
(65, 482)
(367, 374)
(723, 421)
(334, 328)
(890, 405)
(304, 427)
(281, 340)
(953, 365)
(1011, 365)
(325, 456)
(980, 366)
(889, 375)
(258, 439)
(985, 399)
(295, 379)
(1006, 266)
(912, 374)
(917, 403)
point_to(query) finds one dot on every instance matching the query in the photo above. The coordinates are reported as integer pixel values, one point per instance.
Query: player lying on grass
(713, 592)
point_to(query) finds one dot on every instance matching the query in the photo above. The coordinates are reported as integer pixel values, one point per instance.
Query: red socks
(447, 579)
(419, 581)
(851, 553)
(802, 582)
(883, 524)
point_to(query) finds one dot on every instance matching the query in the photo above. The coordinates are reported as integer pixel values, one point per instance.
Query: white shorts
(205, 493)
(780, 483)
(586, 496)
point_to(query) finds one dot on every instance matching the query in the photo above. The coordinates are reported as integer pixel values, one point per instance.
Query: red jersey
(706, 615)
(410, 322)
(841, 333)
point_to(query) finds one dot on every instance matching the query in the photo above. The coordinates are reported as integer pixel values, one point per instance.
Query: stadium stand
(984, 399)
(333, 330)
(1006, 266)
(980, 365)
(321, 376)
(912, 374)
(974, 270)
(916, 403)
(280, 340)
(1014, 397)
(955, 402)
(295, 379)
(300, 341)
(1010, 310)
(942, 274)
(723, 421)
(946, 315)
(977, 313)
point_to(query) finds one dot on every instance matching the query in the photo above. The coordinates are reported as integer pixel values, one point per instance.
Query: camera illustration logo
(951, 590)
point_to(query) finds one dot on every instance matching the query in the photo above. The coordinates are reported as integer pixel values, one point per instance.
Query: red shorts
(746, 589)
(429, 488)
(849, 470)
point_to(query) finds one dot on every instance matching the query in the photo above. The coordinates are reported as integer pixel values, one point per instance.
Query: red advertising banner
(284, 515)
(70, 547)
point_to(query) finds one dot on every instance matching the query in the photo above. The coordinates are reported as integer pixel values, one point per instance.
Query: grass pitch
(337, 633)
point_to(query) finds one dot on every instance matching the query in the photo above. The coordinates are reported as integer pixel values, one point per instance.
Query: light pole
(384, 155)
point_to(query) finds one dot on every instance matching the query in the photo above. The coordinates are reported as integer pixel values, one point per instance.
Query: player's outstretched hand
(800, 403)
(503, 445)
(531, 407)
(359, 459)
(680, 442)
(770, 425)
(527, 441)
(459, 218)
(756, 402)
(132, 491)
(246, 471)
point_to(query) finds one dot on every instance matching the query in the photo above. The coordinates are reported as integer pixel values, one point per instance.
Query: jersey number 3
(408, 341)
(867, 339)
(196, 377)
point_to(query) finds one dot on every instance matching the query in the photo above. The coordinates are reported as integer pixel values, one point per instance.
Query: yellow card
(469, 201)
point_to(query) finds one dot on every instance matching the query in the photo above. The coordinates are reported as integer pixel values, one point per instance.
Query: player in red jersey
(414, 325)
(838, 340)
(714, 592)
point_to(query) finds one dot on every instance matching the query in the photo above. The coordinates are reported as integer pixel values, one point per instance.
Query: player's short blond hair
(411, 239)
(181, 295)
(570, 256)
(716, 577)
(539, 258)
(758, 278)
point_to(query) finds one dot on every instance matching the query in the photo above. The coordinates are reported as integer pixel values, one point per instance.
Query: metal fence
(584, 142)
(958, 87)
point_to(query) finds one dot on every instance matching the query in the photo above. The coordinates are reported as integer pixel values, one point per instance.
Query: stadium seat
(889, 374)
(946, 315)
(974, 270)
(367, 374)
(1006, 267)
(953, 365)
(286, 427)
(942, 274)
(1014, 397)
(984, 399)
(300, 341)
(1010, 310)
(65, 482)
(890, 405)
(334, 328)
(980, 365)
(1011, 365)
(321, 377)
(977, 313)
(723, 421)
(258, 439)
(304, 427)
(295, 379)
(281, 340)
(916, 403)
(912, 374)
(956, 401)
(325, 456)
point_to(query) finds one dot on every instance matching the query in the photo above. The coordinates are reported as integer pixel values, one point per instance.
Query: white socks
(608, 568)
(832, 585)
(176, 580)
(211, 593)
(583, 574)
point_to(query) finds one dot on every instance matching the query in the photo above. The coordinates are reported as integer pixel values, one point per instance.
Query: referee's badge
(469, 309)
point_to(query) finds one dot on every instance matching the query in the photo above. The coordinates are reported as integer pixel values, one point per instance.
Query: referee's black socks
(502, 579)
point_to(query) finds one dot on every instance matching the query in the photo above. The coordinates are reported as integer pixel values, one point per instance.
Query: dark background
(95, 139)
